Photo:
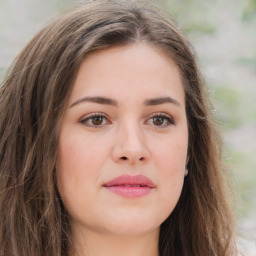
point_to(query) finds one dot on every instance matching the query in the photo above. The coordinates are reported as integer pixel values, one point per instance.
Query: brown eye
(95, 120)
(158, 121)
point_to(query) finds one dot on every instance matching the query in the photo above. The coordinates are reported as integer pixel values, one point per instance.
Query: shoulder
(246, 247)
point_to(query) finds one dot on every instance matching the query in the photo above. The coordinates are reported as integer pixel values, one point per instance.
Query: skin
(125, 138)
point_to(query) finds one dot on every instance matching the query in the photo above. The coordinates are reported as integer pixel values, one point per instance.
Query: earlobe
(186, 168)
(186, 171)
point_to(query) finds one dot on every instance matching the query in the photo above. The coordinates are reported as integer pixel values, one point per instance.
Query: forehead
(128, 71)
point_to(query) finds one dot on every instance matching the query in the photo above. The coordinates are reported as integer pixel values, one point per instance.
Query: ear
(186, 167)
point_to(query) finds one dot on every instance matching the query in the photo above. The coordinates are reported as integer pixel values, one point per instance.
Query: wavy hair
(33, 97)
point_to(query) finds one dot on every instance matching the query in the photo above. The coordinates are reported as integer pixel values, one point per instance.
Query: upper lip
(139, 180)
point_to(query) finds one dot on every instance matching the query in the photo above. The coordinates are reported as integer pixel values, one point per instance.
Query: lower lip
(130, 191)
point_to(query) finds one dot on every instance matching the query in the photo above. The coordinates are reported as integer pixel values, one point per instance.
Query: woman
(107, 141)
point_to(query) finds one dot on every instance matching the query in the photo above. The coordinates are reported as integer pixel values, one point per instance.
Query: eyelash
(169, 120)
(91, 116)
(166, 118)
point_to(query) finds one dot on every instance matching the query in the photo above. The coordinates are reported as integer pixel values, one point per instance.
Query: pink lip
(130, 186)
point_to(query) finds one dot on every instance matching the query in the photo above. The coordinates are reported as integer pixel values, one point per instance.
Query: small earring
(186, 171)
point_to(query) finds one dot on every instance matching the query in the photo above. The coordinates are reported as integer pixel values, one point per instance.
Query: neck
(91, 243)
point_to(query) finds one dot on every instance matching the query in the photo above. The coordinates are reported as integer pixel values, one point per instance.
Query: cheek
(170, 160)
(74, 160)
(80, 160)
(78, 155)
(76, 174)
(171, 155)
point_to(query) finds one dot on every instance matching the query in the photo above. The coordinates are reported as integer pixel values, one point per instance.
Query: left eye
(161, 120)
(95, 120)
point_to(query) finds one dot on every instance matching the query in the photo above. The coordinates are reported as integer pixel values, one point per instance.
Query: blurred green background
(223, 33)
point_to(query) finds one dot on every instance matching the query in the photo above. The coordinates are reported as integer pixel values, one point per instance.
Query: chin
(132, 230)
(133, 224)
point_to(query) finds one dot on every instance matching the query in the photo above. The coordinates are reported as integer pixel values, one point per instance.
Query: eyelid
(168, 117)
(91, 115)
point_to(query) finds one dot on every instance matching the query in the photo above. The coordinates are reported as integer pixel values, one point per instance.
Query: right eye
(95, 120)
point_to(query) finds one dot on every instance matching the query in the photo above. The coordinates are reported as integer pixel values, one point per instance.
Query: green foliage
(227, 102)
(249, 61)
(244, 181)
(249, 11)
(190, 16)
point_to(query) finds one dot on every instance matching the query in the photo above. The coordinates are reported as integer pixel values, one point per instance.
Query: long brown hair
(33, 97)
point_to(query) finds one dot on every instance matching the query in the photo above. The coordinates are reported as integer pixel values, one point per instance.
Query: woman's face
(123, 141)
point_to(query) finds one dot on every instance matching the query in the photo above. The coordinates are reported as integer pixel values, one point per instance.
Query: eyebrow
(112, 102)
(161, 100)
(98, 100)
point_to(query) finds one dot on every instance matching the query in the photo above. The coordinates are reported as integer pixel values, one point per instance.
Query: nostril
(125, 158)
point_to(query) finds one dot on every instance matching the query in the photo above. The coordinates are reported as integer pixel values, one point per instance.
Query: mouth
(130, 186)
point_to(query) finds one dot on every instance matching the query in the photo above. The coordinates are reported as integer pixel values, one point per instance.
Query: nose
(130, 146)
